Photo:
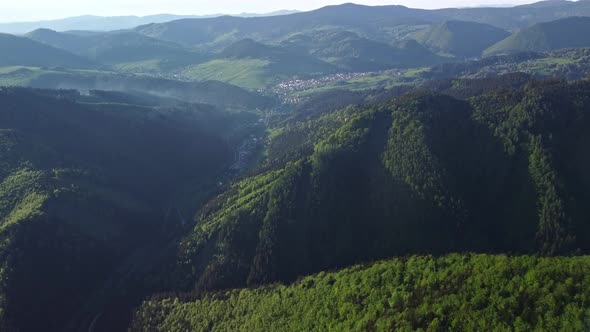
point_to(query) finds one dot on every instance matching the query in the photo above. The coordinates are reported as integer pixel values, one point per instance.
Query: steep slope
(20, 51)
(565, 33)
(85, 186)
(461, 39)
(457, 292)
(364, 184)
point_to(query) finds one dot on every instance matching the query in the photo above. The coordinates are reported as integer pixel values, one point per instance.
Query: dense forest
(80, 189)
(404, 177)
(501, 171)
(350, 168)
(487, 165)
(418, 293)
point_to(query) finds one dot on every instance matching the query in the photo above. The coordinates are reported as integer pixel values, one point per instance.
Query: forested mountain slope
(457, 292)
(461, 39)
(193, 157)
(499, 172)
(564, 33)
(84, 183)
(352, 52)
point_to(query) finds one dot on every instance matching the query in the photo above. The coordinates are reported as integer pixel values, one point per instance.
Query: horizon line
(293, 11)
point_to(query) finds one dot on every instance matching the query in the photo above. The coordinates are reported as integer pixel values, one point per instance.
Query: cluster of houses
(286, 87)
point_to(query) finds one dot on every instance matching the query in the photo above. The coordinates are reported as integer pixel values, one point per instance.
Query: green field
(21, 76)
(246, 73)
(24, 76)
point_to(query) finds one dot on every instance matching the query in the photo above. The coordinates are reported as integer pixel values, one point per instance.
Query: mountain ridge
(547, 36)
(462, 39)
(367, 19)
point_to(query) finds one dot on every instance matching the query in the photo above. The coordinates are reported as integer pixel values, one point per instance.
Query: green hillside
(20, 51)
(369, 183)
(80, 193)
(461, 39)
(351, 52)
(350, 168)
(246, 73)
(366, 183)
(457, 292)
(564, 33)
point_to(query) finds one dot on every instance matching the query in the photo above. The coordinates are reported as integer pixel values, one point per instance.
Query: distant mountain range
(379, 22)
(257, 52)
(507, 18)
(109, 23)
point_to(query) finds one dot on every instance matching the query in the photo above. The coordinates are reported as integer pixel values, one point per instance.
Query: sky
(32, 10)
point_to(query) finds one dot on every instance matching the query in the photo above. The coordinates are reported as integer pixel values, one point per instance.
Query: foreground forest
(80, 193)
(418, 293)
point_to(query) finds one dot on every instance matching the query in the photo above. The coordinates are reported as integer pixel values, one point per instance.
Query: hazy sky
(26, 10)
